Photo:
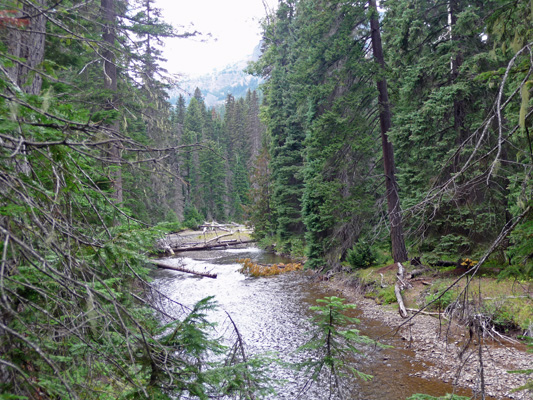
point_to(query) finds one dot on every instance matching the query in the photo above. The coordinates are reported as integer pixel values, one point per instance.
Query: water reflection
(272, 315)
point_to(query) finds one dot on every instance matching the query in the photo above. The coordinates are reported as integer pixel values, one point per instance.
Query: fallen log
(182, 269)
(224, 243)
(442, 263)
(218, 237)
(214, 227)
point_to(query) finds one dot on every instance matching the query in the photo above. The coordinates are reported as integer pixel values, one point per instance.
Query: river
(272, 315)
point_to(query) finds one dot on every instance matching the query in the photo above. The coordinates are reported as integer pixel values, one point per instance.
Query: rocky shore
(441, 350)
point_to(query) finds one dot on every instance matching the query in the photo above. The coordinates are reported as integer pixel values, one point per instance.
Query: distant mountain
(216, 85)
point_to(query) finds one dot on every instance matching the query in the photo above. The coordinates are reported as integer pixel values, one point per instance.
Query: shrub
(192, 217)
(361, 255)
(332, 345)
(439, 299)
(387, 295)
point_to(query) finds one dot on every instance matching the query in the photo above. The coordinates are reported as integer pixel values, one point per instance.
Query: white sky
(234, 25)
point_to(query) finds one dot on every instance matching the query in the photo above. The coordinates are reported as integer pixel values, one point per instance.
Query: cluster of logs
(176, 243)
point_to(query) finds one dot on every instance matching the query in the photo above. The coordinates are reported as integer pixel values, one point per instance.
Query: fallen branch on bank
(401, 284)
(183, 269)
(427, 312)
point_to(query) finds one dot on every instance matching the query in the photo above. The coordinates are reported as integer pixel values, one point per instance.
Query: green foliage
(361, 255)
(520, 251)
(260, 212)
(387, 295)
(79, 317)
(439, 297)
(212, 183)
(333, 345)
(284, 127)
(192, 217)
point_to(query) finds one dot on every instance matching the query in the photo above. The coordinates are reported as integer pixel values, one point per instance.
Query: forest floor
(443, 347)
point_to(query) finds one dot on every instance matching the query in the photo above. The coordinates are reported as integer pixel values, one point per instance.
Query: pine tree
(212, 182)
(284, 124)
(192, 135)
(111, 85)
(438, 107)
(253, 124)
(399, 251)
(71, 326)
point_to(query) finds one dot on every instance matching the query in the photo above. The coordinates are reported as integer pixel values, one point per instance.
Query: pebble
(497, 360)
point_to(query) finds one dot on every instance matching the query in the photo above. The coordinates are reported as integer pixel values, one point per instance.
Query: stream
(272, 315)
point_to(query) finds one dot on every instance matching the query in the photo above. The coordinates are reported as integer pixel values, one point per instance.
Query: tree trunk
(25, 43)
(28, 44)
(459, 111)
(110, 84)
(399, 251)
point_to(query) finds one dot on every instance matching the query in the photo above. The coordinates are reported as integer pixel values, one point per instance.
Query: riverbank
(439, 347)
(435, 346)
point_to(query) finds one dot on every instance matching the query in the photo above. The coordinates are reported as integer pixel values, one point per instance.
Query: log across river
(272, 315)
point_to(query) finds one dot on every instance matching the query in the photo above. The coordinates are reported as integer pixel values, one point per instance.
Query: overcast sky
(234, 25)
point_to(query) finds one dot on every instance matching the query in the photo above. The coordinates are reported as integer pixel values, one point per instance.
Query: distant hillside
(216, 85)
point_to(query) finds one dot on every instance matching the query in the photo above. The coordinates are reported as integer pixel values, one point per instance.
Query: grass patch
(386, 295)
(508, 303)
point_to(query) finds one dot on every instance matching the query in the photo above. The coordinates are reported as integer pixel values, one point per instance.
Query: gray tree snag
(110, 83)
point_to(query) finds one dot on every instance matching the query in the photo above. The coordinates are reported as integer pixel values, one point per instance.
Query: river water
(272, 315)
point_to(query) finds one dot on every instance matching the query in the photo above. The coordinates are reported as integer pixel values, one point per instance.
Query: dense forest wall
(458, 77)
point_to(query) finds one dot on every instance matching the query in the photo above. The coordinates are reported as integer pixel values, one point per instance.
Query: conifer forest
(392, 132)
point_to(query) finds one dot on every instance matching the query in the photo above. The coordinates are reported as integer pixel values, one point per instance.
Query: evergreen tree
(110, 78)
(241, 187)
(192, 136)
(439, 109)
(212, 182)
(260, 212)
(71, 326)
(254, 128)
(284, 124)
(339, 198)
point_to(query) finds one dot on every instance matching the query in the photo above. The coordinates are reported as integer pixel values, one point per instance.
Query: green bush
(439, 299)
(361, 255)
(387, 295)
(192, 217)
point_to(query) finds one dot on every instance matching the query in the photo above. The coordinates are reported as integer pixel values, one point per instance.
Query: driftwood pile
(176, 243)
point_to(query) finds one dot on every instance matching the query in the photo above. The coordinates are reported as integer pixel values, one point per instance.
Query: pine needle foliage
(78, 317)
(333, 347)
